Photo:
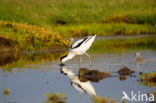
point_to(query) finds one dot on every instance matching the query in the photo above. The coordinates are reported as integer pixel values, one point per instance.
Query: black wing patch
(63, 72)
(78, 43)
(88, 39)
(79, 86)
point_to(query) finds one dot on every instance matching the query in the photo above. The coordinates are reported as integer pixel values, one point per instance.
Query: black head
(63, 72)
(62, 58)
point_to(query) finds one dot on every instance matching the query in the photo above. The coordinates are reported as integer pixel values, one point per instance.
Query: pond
(29, 76)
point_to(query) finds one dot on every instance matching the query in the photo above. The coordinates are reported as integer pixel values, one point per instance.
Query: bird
(139, 57)
(79, 47)
(82, 87)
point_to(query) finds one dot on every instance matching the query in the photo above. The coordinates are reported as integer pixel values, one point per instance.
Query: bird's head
(137, 54)
(63, 59)
(66, 58)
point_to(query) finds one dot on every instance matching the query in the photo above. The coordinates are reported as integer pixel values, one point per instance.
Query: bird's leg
(80, 59)
(89, 57)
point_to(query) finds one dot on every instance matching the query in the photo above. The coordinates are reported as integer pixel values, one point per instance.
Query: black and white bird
(84, 87)
(79, 48)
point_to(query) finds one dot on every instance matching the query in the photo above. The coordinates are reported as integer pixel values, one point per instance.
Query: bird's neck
(67, 71)
(69, 56)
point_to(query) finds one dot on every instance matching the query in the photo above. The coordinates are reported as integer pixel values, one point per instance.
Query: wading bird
(78, 48)
(139, 57)
(84, 87)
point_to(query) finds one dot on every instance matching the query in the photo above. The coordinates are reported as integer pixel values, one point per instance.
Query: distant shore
(49, 24)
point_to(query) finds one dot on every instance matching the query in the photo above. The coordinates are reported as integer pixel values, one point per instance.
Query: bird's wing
(77, 87)
(78, 43)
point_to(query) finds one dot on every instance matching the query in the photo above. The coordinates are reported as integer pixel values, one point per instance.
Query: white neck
(67, 71)
(69, 56)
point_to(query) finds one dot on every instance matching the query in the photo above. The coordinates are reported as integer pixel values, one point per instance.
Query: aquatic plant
(6, 92)
(148, 79)
(97, 99)
(55, 98)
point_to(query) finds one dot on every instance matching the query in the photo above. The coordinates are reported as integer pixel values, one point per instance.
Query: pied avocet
(85, 87)
(78, 48)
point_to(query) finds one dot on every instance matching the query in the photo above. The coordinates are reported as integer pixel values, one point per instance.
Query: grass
(108, 29)
(148, 79)
(79, 18)
(123, 44)
(28, 37)
(48, 12)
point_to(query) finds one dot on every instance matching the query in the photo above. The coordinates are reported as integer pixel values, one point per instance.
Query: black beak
(62, 64)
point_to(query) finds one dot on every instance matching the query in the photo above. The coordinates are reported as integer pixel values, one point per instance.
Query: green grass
(123, 44)
(72, 11)
(27, 37)
(45, 24)
(87, 16)
(109, 29)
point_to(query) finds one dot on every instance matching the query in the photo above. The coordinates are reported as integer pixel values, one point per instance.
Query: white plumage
(77, 84)
(78, 48)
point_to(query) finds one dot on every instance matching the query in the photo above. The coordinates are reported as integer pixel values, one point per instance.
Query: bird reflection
(77, 84)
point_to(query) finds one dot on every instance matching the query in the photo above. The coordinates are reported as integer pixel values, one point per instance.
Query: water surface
(29, 77)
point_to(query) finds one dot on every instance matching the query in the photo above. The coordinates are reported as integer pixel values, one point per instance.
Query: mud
(92, 75)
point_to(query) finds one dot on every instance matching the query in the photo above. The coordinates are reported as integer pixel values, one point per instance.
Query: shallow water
(30, 81)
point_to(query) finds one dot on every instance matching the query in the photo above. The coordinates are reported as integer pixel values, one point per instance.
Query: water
(30, 77)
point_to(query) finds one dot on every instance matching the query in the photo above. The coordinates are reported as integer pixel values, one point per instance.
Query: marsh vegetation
(34, 35)
(50, 23)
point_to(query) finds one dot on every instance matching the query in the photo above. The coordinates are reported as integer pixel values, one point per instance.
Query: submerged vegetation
(97, 99)
(148, 79)
(61, 98)
(6, 92)
(55, 98)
